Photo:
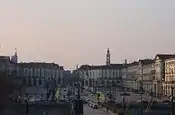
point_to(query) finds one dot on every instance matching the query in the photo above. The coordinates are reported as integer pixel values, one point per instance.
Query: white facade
(96, 76)
(36, 76)
(169, 77)
(38, 73)
(137, 72)
(159, 69)
(131, 76)
(146, 73)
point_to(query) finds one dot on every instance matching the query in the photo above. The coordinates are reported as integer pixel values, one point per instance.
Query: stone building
(160, 73)
(38, 76)
(101, 77)
(169, 80)
(145, 75)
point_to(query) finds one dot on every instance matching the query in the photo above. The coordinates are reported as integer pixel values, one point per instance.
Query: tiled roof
(111, 66)
(165, 56)
(4, 58)
(39, 65)
(133, 63)
(84, 67)
(147, 61)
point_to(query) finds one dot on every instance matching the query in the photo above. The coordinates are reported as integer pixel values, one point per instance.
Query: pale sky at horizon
(71, 32)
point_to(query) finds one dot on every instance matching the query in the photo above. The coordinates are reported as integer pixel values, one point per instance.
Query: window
(86, 82)
(24, 81)
(40, 82)
(38, 72)
(34, 81)
(113, 73)
(29, 82)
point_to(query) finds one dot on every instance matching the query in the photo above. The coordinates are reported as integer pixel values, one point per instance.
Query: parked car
(17, 99)
(95, 106)
(90, 103)
(166, 102)
(142, 101)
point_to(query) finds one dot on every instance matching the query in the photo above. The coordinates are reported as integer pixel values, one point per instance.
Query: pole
(79, 112)
(172, 94)
(172, 103)
(124, 101)
(141, 88)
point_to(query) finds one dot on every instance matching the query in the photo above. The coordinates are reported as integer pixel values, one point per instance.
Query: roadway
(130, 99)
(100, 111)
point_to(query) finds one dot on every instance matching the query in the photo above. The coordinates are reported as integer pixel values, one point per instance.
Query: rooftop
(165, 56)
(39, 65)
(111, 66)
(147, 61)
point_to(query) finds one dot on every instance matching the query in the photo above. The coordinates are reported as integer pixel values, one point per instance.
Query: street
(130, 99)
(100, 111)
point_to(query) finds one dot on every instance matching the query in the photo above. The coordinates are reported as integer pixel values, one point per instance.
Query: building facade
(4, 63)
(169, 81)
(37, 77)
(131, 75)
(138, 75)
(101, 78)
(145, 75)
(160, 73)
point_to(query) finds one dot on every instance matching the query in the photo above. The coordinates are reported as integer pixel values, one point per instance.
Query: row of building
(154, 76)
(33, 76)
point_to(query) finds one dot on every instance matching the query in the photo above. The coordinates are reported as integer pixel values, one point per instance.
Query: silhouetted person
(26, 106)
(53, 95)
(107, 109)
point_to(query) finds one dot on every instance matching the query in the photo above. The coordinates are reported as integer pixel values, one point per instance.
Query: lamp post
(125, 86)
(172, 92)
(141, 87)
(78, 103)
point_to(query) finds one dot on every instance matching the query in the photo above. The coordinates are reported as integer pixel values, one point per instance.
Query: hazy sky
(70, 32)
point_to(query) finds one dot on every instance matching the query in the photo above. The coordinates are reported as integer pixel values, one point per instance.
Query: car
(154, 102)
(90, 103)
(142, 101)
(166, 102)
(17, 99)
(95, 106)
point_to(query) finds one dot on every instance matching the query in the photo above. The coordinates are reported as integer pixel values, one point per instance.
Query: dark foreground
(37, 109)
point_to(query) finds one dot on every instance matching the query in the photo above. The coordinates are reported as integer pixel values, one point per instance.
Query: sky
(76, 32)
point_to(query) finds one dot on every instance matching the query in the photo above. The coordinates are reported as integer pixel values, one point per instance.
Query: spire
(16, 52)
(14, 58)
(108, 55)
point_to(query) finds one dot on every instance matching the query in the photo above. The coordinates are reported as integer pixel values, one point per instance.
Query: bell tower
(108, 57)
(14, 58)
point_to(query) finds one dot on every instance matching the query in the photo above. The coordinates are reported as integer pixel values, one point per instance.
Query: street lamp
(141, 88)
(172, 92)
(78, 108)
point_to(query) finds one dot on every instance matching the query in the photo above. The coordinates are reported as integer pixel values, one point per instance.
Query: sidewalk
(109, 112)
